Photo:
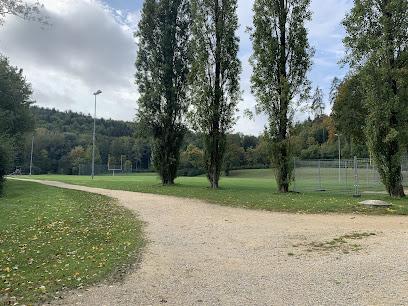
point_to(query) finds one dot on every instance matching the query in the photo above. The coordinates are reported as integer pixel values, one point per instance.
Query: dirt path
(205, 254)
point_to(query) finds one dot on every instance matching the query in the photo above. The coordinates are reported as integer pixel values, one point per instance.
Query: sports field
(254, 189)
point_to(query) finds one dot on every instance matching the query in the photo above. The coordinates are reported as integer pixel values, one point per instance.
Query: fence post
(356, 194)
(374, 173)
(345, 167)
(368, 178)
(320, 179)
(368, 182)
(294, 174)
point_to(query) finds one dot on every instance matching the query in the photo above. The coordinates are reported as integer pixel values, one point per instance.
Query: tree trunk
(396, 191)
(168, 181)
(213, 174)
(282, 149)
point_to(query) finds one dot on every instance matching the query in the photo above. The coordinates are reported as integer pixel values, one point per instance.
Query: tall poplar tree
(376, 48)
(162, 67)
(282, 56)
(215, 78)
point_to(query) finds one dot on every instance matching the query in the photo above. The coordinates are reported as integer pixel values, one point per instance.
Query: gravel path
(206, 254)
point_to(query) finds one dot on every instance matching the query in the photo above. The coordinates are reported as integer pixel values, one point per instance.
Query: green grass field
(53, 239)
(243, 188)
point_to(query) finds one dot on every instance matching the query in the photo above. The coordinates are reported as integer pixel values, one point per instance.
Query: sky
(90, 46)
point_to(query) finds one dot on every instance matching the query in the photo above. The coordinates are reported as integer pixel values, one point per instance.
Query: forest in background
(63, 141)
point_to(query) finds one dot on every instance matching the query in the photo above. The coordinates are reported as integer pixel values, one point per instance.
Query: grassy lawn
(242, 189)
(53, 239)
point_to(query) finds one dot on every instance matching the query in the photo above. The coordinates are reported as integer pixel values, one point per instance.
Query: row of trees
(175, 72)
(170, 63)
(187, 66)
(63, 141)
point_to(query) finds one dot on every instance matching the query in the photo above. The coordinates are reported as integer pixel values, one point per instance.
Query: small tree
(162, 66)
(76, 157)
(318, 107)
(215, 78)
(348, 111)
(88, 156)
(376, 45)
(282, 56)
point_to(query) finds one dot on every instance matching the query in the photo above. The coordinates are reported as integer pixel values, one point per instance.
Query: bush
(5, 159)
(190, 172)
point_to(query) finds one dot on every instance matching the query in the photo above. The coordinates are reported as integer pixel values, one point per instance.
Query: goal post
(114, 168)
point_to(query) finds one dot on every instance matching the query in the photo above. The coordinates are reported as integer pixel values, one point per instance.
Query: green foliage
(77, 157)
(214, 78)
(162, 66)
(192, 161)
(88, 155)
(60, 132)
(282, 56)
(376, 45)
(15, 93)
(15, 117)
(348, 111)
(80, 124)
(234, 157)
(53, 239)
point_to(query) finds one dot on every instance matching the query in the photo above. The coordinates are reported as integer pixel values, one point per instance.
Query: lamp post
(339, 157)
(93, 146)
(31, 160)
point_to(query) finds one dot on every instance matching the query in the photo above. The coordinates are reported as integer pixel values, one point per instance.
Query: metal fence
(348, 176)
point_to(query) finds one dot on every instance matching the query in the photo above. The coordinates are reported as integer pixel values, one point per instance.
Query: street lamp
(93, 147)
(31, 160)
(339, 157)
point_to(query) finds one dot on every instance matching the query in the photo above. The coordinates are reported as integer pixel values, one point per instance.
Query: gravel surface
(205, 254)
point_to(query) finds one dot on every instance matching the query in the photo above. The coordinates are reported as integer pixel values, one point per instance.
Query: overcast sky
(90, 46)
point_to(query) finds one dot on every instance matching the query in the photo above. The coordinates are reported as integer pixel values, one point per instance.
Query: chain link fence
(345, 176)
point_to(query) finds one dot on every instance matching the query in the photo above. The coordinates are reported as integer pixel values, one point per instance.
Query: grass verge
(53, 239)
(250, 193)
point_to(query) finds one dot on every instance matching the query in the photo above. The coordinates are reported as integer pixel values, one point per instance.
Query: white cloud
(85, 49)
(90, 46)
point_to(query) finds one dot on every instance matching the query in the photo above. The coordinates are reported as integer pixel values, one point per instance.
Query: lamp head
(98, 92)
